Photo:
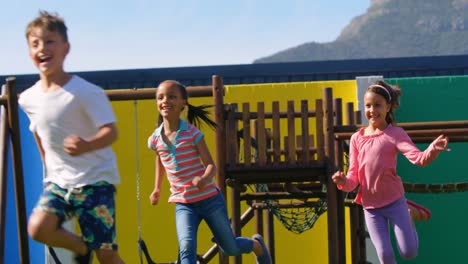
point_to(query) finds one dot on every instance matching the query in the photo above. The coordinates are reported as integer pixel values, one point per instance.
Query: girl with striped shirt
(182, 154)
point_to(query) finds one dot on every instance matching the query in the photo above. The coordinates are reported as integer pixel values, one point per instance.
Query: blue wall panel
(32, 169)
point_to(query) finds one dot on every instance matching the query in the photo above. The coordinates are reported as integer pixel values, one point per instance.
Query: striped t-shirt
(182, 163)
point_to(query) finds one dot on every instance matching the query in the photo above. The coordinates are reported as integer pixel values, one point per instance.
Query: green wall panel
(442, 238)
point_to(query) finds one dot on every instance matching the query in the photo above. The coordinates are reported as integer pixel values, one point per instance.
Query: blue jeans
(213, 211)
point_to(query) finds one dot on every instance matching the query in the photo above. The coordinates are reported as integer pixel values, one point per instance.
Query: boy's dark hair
(49, 21)
(195, 114)
(391, 93)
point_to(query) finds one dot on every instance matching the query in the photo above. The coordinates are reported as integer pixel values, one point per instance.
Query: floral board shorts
(93, 205)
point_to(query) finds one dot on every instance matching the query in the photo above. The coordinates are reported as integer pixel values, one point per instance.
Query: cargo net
(295, 219)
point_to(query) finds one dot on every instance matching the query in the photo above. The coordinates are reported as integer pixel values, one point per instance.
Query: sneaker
(418, 212)
(84, 259)
(265, 258)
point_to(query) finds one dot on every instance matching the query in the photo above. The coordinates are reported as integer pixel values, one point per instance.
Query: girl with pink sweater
(372, 158)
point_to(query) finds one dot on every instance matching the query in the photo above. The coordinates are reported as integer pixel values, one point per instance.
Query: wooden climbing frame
(280, 160)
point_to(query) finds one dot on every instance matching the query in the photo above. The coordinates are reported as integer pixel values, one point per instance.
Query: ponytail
(197, 114)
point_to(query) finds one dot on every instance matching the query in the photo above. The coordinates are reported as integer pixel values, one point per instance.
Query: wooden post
(4, 135)
(340, 209)
(358, 229)
(305, 144)
(247, 150)
(291, 143)
(218, 99)
(270, 225)
(319, 131)
(333, 235)
(261, 134)
(258, 214)
(17, 169)
(276, 132)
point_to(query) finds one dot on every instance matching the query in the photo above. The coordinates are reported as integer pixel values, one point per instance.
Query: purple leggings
(396, 214)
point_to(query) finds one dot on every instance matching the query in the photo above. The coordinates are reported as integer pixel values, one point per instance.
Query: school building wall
(424, 99)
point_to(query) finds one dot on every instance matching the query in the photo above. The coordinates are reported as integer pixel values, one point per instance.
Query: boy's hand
(199, 182)
(339, 178)
(75, 145)
(154, 197)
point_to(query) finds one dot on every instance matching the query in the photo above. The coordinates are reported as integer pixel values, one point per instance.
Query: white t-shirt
(78, 108)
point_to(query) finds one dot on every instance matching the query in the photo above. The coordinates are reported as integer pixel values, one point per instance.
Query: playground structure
(298, 162)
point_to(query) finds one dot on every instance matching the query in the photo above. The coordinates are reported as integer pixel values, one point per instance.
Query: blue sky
(137, 34)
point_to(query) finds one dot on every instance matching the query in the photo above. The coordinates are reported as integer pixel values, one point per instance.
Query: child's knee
(41, 225)
(36, 227)
(410, 250)
(387, 258)
(186, 248)
(409, 253)
(108, 256)
(231, 251)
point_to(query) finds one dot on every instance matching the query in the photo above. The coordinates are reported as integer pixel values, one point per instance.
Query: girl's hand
(199, 182)
(154, 197)
(441, 143)
(339, 178)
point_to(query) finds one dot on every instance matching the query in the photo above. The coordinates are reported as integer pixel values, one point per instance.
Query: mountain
(392, 28)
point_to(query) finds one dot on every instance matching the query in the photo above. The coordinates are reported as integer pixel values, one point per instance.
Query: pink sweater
(373, 160)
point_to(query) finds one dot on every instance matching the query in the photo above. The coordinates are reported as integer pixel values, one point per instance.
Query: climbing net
(295, 215)
(296, 219)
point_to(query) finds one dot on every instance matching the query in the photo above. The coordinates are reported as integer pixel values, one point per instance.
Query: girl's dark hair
(391, 93)
(195, 114)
